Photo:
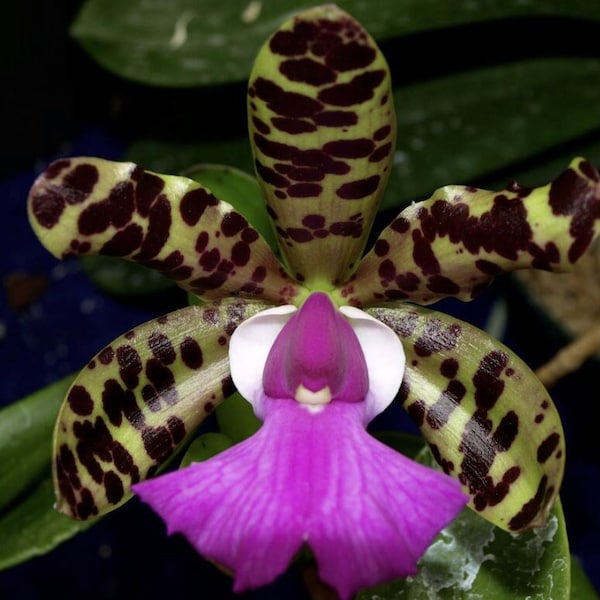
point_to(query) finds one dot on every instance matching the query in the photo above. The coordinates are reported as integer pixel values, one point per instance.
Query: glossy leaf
(236, 418)
(446, 133)
(322, 127)
(115, 276)
(239, 189)
(26, 439)
(473, 559)
(454, 243)
(195, 42)
(85, 206)
(205, 446)
(137, 400)
(32, 527)
(488, 420)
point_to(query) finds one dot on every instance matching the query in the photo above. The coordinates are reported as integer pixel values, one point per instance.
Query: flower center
(316, 358)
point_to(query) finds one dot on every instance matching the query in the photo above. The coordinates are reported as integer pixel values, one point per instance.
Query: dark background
(56, 101)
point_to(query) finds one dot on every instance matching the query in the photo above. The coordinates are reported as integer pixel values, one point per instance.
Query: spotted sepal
(322, 128)
(454, 243)
(137, 399)
(82, 206)
(488, 420)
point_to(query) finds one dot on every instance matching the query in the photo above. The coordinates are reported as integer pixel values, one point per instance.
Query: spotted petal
(137, 400)
(366, 511)
(169, 223)
(454, 243)
(322, 127)
(488, 419)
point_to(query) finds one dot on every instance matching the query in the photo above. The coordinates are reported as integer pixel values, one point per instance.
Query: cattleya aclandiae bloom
(320, 342)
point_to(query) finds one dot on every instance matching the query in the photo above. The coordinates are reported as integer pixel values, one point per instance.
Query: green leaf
(463, 127)
(32, 527)
(239, 189)
(120, 278)
(236, 418)
(205, 446)
(195, 42)
(26, 440)
(581, 586)
(473, 559)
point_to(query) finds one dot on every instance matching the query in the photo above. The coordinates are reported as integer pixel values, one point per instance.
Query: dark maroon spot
(355, 190)
(202, 242)
(436, 338)
(507, 431)
(487, 267)
(259, 274)
(300, 173)
(159, 226)
(346, 229)
(233, 223)
(359, 90)
(191, 353)
(240, 254)
(408, 282)
(307, 70)
(193, 205)
(163, 380)
(130, 365)
(79, 183)
(439, 412)
(304, 190)
(488, 383)
(270, 176)
(80, 401)
(54, 169)
(212, 282)
(210, 259)
(350, 56)
(336, 118)
(387, 270)
(293, 126)
(288, 43)
(530, 509)
(176, 428)
(416, 411)
(106, 355)
(162, 348)
(114, 487)
(423, 254)
(124, 242)
(261, 126)
(356, 148)
(381, 248)
(442, 285)
(547, 447)
(400, 225)
(449, 368)
(314, 221)
(149, 186)
(382, 133)
(48, 206)
(158, 443)
(249, 235)
(283, 103)
(322, 161)
(380, 153)
(299, 235)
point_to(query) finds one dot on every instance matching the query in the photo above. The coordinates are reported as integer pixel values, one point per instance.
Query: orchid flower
(318, 339)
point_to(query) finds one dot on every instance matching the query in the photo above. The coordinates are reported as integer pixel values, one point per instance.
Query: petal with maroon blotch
(137, 400)
(487, 418)
(454, 243)
(322, 127)
(172, 224)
